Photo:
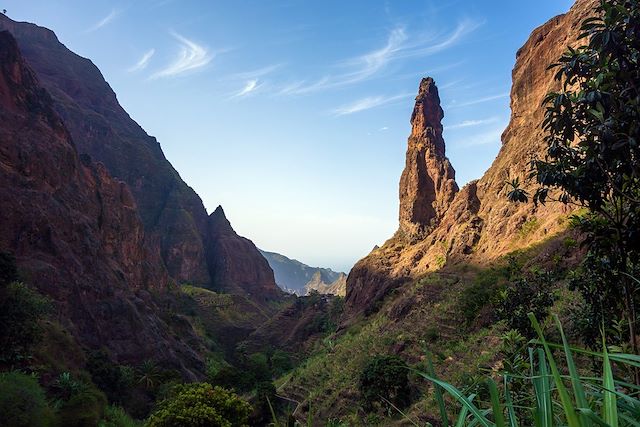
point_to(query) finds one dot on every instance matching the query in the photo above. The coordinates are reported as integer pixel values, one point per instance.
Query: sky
(294, 115)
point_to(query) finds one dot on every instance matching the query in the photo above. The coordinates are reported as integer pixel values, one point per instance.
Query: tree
(593, 153)
(200, 404)
(384, 379)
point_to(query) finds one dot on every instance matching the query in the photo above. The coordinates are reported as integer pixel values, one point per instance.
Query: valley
(124, 302)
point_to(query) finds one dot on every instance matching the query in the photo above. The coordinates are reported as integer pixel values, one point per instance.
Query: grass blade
(543, 413)
(496, 405)
(567, 404)
(576, 383)
(513, 420)
(609, 406)
(460, 398)
(439, 396)
(462, 417)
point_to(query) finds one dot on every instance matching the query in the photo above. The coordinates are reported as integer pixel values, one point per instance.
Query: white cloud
(368, 103)
(383, 128)
(104, 21)
(398, 46)
(261, 72)
(470, 123)
(143, 61)
(191, 57)
(250, 87)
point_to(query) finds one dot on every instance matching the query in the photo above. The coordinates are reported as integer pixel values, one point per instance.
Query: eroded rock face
(233, 266)
(427, 184)
(477, 224)
(175, 220)
(75, 230)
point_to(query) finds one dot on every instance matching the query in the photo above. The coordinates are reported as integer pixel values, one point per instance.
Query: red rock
(74, 229)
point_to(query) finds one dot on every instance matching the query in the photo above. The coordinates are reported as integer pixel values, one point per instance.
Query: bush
(385, 377)
(114, 380)
(114, 416)
(85, 408)
(280, 363)
(533, 294)
(21, 310)
(200, 404)
(22, 401)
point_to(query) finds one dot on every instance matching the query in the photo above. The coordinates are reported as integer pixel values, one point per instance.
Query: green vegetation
(23, 401)
(547, 400)
(384, 382)
(593, 161)
(200, 404)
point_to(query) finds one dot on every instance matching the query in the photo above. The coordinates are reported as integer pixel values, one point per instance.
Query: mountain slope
(173, 215)
(75, 232)
(477, 224)
(296, 277)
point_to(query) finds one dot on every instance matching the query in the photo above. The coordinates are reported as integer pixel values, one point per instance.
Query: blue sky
(294, 115)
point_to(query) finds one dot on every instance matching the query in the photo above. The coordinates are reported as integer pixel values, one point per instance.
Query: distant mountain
(298, 278)
(337, 287)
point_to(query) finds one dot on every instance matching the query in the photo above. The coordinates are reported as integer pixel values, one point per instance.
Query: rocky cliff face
(173, 215)
(74, 229)
(233, 265)
(427, 184)
(477, 224)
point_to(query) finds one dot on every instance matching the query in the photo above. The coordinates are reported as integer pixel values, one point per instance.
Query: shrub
(533, 294)
(22, 401)
(280, 363)
(21, 310)
(85, 408)
(114, 380)
(385, 378)
(200, 404)
(114, 416)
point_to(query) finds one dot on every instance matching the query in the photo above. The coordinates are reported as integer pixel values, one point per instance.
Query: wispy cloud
(250, 87)
(104, 21)
(479, 100)
(254, 74)
(471, 123)
(368, 103)
(142, 62)
(398, 46)
(191, 57)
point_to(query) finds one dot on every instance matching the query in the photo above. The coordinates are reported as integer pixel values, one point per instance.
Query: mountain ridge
(295, 276)
(175, 219)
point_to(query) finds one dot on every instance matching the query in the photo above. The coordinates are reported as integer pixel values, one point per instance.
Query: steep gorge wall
(477, 224)
(174, 218)
(74, 229)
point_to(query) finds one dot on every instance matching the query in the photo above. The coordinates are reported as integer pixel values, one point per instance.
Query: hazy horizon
(294, 116)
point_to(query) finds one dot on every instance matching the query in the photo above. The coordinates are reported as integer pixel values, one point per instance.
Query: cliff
(75, 231)
(440, 225)
(174, 218)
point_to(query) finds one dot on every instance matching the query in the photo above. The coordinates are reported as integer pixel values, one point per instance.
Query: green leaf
(460, 398)
(609, 407)
(567, 404)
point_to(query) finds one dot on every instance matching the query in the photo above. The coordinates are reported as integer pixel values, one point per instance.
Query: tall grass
(558, 399)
